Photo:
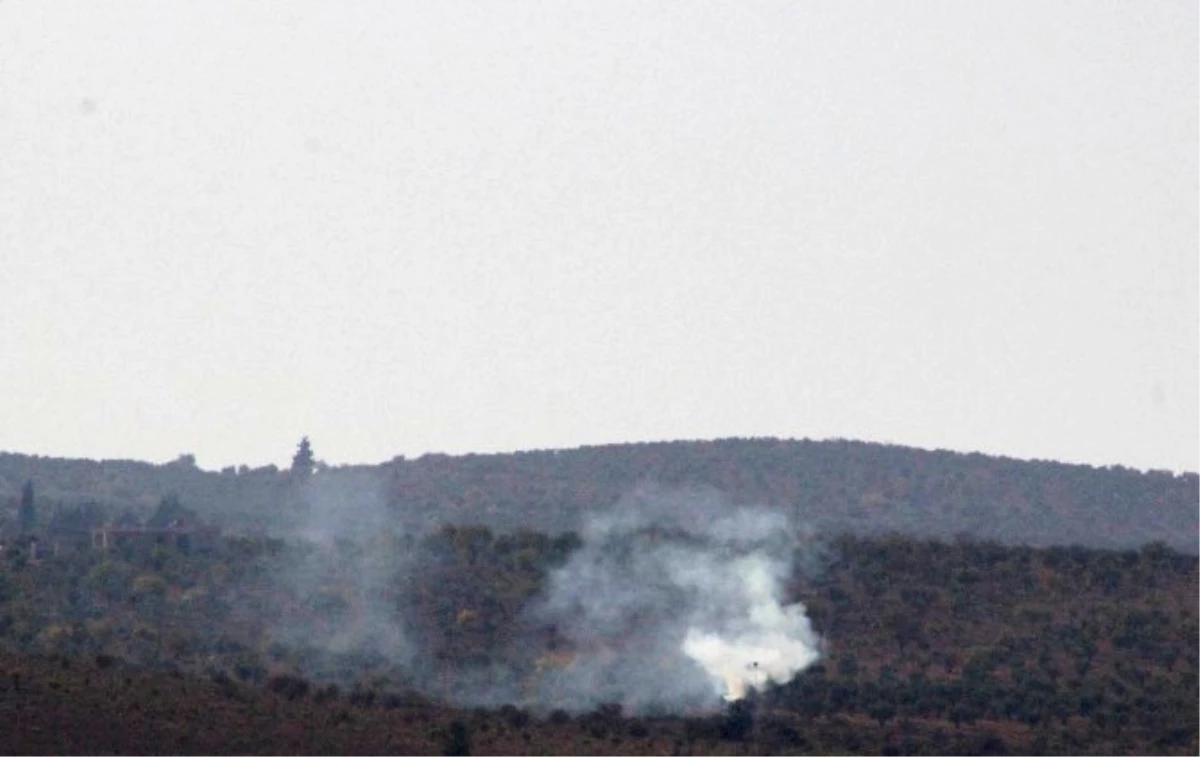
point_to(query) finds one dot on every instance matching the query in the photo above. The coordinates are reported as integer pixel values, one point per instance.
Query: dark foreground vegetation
(165, 646)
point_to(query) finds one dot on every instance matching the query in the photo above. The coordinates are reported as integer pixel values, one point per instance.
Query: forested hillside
(929, 648)
(833, 487)
(600, 600)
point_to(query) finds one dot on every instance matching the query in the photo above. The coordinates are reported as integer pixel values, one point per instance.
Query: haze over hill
(830, 487)
(402, 227)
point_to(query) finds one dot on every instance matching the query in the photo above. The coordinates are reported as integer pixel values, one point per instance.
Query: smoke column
(673, 602)
(347, 566)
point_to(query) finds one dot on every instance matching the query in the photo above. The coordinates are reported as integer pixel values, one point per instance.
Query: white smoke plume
(673, 602)
(344, 571)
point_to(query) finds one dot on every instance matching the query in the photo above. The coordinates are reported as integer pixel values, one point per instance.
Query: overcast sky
(405, 227)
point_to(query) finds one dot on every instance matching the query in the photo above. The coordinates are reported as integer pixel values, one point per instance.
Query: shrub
(514, 716)
(457, 741)
(327, 694)
(288, 686)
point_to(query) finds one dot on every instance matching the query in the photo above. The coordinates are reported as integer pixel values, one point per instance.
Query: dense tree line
(833, 486)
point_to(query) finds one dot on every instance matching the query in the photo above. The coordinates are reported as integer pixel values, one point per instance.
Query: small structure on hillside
(24, 544)
(181, 533)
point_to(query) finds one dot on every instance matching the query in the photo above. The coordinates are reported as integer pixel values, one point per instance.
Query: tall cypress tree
(27, 513)
(303, 463)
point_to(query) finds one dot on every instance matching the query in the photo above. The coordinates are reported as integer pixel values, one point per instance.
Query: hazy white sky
(482, 226)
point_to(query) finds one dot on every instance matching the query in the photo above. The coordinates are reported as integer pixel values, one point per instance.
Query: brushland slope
(960, 647)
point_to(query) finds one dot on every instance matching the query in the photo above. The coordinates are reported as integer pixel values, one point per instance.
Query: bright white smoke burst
(773, 644)
(674, 601)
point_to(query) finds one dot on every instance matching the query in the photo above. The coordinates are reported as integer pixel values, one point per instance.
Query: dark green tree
(303, 462)
(27, 513)
(739, 719)
(457, 741)
(171, 511)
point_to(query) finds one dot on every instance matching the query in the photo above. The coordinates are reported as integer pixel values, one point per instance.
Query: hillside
(929, 648)
(871, 599)
(833, 487)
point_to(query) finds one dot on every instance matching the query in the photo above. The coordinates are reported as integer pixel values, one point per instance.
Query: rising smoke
(345, 570)
(673, 602)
